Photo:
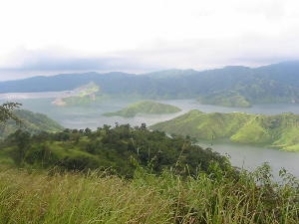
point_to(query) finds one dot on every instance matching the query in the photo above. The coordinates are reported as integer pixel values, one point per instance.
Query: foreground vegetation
(133, 175)
(31, 196)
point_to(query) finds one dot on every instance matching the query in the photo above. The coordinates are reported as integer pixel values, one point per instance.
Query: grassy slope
(145, 107)
(204, 126)
(252, 133)
(37, 197)
(280, 131)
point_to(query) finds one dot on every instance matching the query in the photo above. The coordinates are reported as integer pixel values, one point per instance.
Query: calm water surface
(250, 157)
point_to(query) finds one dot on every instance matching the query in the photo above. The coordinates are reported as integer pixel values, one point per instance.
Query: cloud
(141, 36)
(197, 53)
(27, 63)
(271, 9)
(248, 50)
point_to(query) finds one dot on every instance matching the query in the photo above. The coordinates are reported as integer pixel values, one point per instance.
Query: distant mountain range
(234, 86)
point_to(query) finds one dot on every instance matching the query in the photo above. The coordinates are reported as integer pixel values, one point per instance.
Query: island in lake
(145, 107)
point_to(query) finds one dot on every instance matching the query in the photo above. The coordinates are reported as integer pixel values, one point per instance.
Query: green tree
(6, 112)
(22, 140)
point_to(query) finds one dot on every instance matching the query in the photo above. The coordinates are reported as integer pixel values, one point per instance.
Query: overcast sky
(144, 35)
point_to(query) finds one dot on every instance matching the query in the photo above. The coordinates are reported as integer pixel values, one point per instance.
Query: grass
(49, 197)
(251, 133)
(75, 198)
(275, 131)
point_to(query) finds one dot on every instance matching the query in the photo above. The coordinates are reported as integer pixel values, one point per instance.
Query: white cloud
(167, 33)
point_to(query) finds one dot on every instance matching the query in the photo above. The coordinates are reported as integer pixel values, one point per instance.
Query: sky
(49, 37)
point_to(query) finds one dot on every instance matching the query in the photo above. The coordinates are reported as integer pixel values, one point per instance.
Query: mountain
(61, 82)
(32, 122)
(145, 107)
(278, 131)
(226, 99)
(235, 86)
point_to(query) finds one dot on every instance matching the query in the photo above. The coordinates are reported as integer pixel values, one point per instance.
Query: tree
(6, 112)
(22, 139)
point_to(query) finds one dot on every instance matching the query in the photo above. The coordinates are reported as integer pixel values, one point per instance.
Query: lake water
(248, 157)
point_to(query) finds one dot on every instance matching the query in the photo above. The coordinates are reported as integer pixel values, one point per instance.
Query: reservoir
(250, 157)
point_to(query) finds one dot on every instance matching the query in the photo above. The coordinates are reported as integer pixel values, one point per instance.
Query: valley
(89, 97)
(92, 116)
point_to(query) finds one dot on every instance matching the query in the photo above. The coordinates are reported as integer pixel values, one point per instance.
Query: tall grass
(77, 198)
(39, 197)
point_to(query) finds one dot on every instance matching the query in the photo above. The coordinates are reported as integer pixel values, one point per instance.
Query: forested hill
(279, 131)
(118, 150)
(31, 122)
(229, 86)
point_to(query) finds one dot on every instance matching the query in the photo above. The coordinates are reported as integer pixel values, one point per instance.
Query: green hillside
(31, 122)
(278, 131)
(145, 107)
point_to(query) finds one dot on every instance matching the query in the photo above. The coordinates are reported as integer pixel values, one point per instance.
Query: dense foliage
(119, 149)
